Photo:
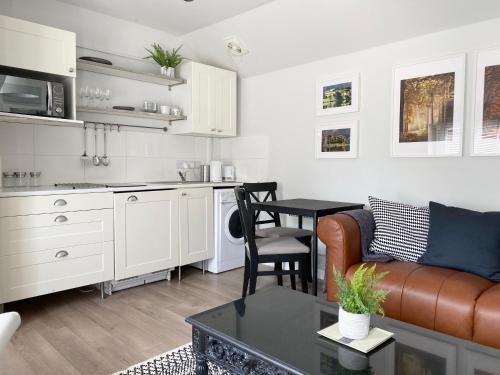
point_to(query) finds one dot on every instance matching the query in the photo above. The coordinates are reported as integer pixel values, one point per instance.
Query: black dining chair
(268, 250)
(263, 192)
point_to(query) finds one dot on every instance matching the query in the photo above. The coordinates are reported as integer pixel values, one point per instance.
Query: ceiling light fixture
(235, 46)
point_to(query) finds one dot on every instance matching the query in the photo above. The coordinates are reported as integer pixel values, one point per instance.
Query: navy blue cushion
(464, 240)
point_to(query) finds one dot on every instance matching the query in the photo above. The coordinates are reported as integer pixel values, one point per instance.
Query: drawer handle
(61, 219)
(132, 198)
(184, 194)
(62, 254)
(219, 130)
(213, 129)
(60, 202)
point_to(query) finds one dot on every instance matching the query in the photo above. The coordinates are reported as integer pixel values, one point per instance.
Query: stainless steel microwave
(31, 96)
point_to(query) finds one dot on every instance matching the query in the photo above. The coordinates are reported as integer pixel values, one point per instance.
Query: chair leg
(278, 266)
(303, 273)
(254, 266)
(246, 277)
(291, 265)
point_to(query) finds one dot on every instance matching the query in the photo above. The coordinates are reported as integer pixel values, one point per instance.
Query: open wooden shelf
(136, 114)
(116, 71)
(37, 120)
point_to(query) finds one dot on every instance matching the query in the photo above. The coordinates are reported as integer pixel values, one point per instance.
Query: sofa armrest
(341, 235)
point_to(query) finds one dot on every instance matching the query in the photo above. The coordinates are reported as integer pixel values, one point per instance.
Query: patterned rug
(180, 360)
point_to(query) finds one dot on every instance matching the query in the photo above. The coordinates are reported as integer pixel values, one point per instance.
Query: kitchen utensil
(205, 173)
(123, 108)
(228, 173)
(150, 107)
(105, 159)
(96, 60)
(216, 171)
(85, 158)
(96, 160)
(176, 111)
(165, 109)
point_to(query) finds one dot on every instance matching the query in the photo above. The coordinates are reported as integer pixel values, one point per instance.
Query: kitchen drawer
(44, 204)
(33, 274)
(23, 234)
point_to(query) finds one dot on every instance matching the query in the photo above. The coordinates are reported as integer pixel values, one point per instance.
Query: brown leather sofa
(453, 302)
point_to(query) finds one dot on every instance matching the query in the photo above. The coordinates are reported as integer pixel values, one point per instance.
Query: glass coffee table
(273, 332)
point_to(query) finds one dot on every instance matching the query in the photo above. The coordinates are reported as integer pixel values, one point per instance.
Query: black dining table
(309, 208)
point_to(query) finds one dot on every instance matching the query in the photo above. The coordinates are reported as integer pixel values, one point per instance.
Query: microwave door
(22, 95)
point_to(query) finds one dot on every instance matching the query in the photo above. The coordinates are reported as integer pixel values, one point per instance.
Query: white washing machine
(229, 242)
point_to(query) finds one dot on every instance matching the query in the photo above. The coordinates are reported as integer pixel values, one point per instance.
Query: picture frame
(338, 94)
(485, 137)
(428, 108)
(337, 139)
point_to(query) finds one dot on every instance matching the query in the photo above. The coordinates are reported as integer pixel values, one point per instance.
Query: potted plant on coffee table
(358, 299)
(167, 59)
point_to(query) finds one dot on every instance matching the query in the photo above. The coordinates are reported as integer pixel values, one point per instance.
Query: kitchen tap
(183, 176)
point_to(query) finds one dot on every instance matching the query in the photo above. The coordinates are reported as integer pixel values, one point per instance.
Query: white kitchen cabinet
(196, 223)
(146, 232)
(30, 46)
(209, 100)
(54, 242)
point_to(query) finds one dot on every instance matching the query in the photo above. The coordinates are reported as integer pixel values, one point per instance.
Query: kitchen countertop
(51, 189)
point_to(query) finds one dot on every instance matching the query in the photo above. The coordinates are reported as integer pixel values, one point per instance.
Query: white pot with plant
(167, 60)
(358, 299)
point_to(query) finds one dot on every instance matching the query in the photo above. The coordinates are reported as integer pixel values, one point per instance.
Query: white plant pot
(168, 71)
(353, 326)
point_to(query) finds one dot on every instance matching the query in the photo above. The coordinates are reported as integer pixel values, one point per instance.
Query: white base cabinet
(146, 232)
(196, 222)
(54, 243)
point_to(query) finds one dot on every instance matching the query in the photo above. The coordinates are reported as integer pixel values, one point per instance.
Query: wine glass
(98, 95)
(84, 95)
(91, 96)
(107, 94)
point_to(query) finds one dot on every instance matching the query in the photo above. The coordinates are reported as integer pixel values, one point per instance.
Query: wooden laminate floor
(74, 332)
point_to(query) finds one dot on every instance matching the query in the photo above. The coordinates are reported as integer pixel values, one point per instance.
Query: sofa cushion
(456, 304)
(400, 229)
(486, 318)
(464, 240)
(394, 282)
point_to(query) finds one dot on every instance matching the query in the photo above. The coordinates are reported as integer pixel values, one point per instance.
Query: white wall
(135, 156)
(279, 109)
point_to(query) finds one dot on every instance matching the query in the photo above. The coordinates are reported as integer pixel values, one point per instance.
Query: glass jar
(35, 178)
(21, 179)
(8, 179)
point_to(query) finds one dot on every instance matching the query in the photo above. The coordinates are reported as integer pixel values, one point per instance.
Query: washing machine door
(232, 226)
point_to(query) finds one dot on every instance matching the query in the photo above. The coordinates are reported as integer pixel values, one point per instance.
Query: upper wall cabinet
(210, 102)
(27, 45)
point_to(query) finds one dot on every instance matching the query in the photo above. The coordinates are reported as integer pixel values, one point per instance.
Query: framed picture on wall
(337, 140)
(338, 94)
(486, 129)
(428, 108)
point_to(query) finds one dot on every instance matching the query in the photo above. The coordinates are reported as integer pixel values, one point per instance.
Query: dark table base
(235, 358)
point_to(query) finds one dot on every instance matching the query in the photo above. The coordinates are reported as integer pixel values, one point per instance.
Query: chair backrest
(247, 223)
(9, 323)
(252, 191)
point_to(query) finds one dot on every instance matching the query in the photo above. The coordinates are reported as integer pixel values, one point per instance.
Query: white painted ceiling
(176, 17)
(286, 33)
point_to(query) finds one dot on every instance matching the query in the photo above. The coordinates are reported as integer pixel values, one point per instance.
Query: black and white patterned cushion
(400, 230)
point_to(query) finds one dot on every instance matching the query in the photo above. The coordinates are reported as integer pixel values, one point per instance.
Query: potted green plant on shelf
(167, 59)
(358, 299)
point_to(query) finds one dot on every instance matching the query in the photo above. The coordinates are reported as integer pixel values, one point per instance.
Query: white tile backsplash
(135, 155)
(16, 139)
